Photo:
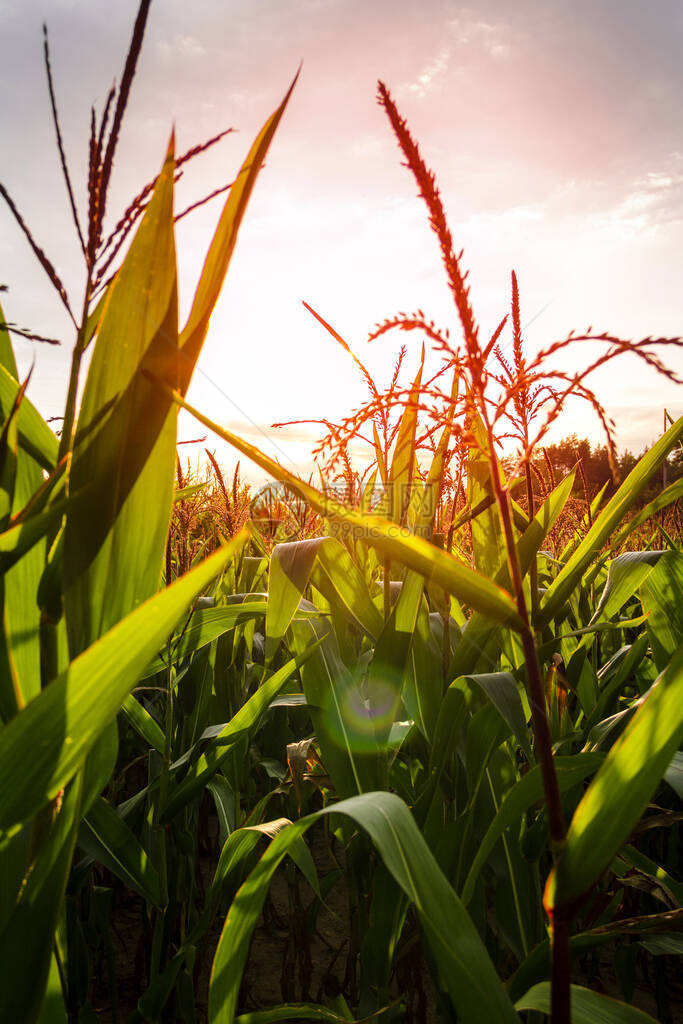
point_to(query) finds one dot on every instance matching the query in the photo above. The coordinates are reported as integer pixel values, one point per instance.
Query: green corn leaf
(403, 461)
(70, 714)
(385, 679)
(636, 859)
(21, 580)
(152, 1002)
(448, 724)
(587, 1007)
(223, 244)
(622, 788)
(233, 859)
(478, 635)
(204, 626)
(95, 315)
(308, 1012)
(23, 488)
(27, 939)
(124, 447)
(524, 794)
(487, 542)
(51, 489)
(584, 524)
(661, 594)
(423, 670)
(17, 540)
(633, 657)
(674, 774)
(536, 967)
(341, 582)
(9, 449)
(437, 566)
(344, 730)
(143, 723)
(87, 785)
(234, 853)
(624, 575)
(609, 519)
(224, 800)
(53, 1010)
(326, 563)
(99, 765)
(465, 970)
(219, 747)
(434, 482)
(408, 638)
(106, 837)
(7, 359)
(501, 690)
(187, 492)
(242, 841)
(486, 730)
(670, 494)
(379, 456)
(35, 437)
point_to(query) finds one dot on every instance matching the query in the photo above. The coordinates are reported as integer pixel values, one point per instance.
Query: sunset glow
(554, 156)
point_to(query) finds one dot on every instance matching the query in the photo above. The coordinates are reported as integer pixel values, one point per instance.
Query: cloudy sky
(555, 128)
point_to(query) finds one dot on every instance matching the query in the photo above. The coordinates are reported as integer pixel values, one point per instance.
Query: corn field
(403, 747)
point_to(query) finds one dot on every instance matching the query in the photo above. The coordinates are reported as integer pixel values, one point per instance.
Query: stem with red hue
(560, 926)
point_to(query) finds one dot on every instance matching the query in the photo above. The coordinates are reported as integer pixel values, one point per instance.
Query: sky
(555, 128)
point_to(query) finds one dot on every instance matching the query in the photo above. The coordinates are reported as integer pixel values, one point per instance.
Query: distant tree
(555, 461)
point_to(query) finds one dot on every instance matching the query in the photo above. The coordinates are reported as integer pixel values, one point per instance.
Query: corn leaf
(143, 723)
(344, 729)
(536, 967)
(423, 673)
(307, 1012)
(666, 497)
(106, 837)
(587, 1007)
(326, 563)
(220, 745)
(17, 540)
(486, 532)
(501, 690)
(661, 594)
(478, 635)
(204, 626)
(53, 1010)
(609, 519)
(524, 794)
(124, 448)
(26, 941)
(35, 437)
(70, 714)
(7, 359)
(21, 578)
(403, 461)
(465, 970)
(624, 575)
(223, 244)
(622, 788)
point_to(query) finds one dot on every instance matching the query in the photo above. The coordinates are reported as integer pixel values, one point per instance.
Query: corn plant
(85, 524)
